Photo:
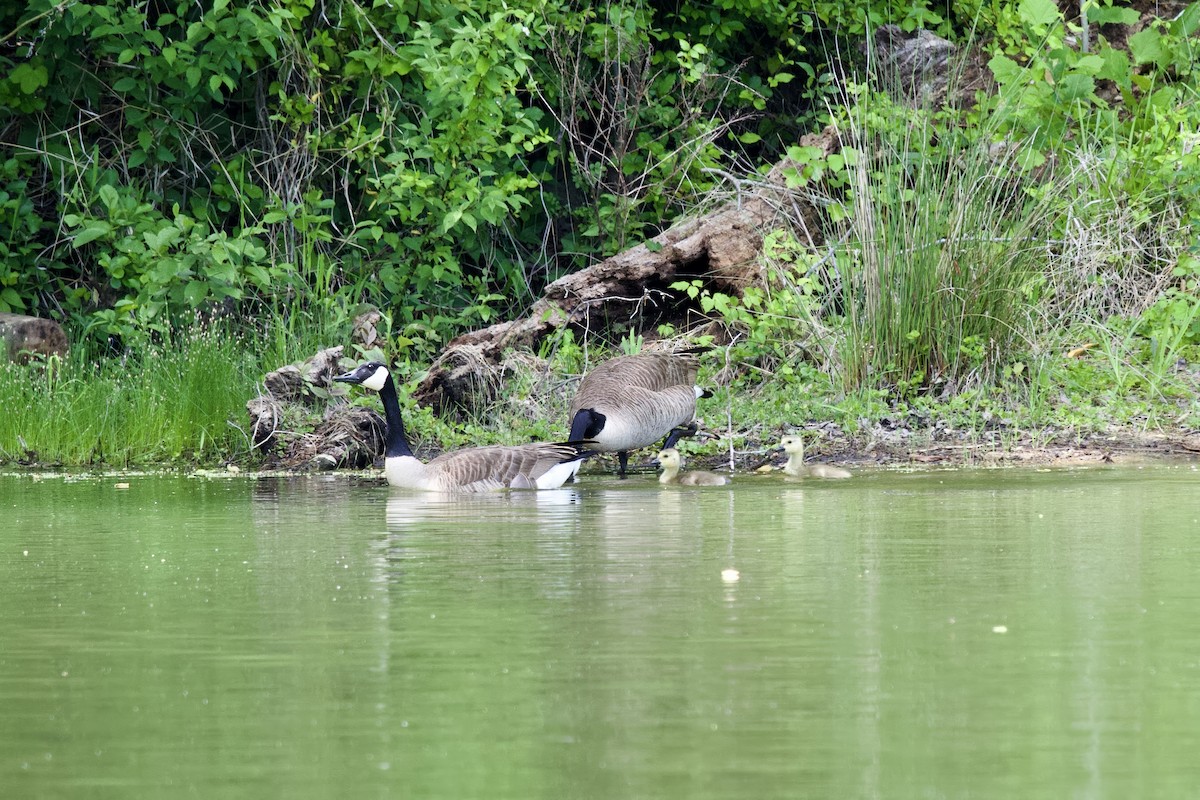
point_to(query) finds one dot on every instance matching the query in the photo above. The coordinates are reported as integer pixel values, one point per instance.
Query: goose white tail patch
(557, 475)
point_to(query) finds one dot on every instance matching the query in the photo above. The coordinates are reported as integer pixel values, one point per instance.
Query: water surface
(936, 634)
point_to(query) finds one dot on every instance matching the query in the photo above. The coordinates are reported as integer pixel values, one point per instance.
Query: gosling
(794, 447)
(671, 462)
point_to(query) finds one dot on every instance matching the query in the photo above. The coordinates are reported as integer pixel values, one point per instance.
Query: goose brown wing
(482, 469)
(650, 412)
(535, 460)
(653, 371)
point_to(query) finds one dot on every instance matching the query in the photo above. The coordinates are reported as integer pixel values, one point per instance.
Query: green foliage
(247, 141)
(23, 276)
(778, 325)
(1145, 353)
(860, 18)
(1047, 85)
(1174, 319)
(160, 267)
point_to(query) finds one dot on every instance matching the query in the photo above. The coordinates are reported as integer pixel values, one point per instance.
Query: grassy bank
(182, 404)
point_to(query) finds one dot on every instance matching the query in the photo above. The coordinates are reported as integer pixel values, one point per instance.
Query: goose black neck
(397, 441)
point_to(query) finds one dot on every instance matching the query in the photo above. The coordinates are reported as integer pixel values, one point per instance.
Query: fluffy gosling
(794, 447)
(671, 462)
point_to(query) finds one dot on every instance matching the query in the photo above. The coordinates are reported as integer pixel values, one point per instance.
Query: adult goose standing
(671, 462)
(795, 466)
(472, 469)
(630, 402)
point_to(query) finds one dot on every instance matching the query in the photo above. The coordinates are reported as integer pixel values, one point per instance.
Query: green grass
(170, 402)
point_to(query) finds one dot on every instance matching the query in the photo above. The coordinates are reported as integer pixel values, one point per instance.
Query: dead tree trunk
(721, 248)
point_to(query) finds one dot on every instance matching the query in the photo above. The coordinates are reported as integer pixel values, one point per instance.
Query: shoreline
(913, 449)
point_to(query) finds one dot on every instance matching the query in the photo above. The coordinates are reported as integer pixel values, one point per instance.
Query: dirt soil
(948, 449)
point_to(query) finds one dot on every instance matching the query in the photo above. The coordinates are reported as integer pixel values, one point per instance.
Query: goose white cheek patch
(376, 381)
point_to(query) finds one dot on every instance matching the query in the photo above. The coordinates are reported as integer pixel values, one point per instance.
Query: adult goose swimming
(472, 469)
(795, 466)
(630, 402)
(671, 462)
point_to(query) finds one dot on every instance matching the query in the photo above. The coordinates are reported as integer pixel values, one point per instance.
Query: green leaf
(125, 84)
(13, 300)
(653, 246)
(29, 78)
(1076, 87)
(451, 219)
(1028, 158)
(805, 155)
(109, 196)
(94, 230)
(1188, 22)
(1038, 12)
(1116, 67)
(1090, 65)
(1005, 69)
(1146, 47)
(195, 292)
(1111, 15)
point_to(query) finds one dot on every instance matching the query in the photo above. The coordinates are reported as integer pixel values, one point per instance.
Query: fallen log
(721, 248)
(302, 419)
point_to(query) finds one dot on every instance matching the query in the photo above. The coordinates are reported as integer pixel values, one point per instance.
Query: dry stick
(729, 402)
(59, 8)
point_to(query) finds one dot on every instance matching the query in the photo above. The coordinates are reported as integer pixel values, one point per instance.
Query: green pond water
(1008, 634)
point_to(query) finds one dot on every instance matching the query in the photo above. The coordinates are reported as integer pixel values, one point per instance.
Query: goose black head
(372, 375)
(587, 424)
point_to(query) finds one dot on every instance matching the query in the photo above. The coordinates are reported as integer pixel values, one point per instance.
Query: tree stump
(26, 338)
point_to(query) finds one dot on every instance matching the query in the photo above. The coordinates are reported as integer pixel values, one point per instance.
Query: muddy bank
(932, 448)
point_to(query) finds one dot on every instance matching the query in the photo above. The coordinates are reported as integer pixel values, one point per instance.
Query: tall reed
(941, 249)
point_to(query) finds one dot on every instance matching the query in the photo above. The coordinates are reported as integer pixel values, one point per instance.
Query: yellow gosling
(794, 447)
(672, 462)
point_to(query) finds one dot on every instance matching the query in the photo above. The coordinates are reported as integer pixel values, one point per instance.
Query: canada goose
(633, 401)
(795, 466)
(671, 462)
(473, 469)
